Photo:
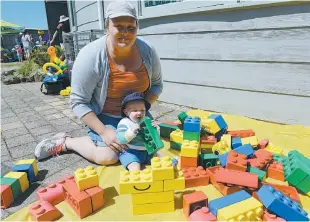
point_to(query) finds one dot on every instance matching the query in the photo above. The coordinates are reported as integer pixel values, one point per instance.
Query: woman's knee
(105, 156)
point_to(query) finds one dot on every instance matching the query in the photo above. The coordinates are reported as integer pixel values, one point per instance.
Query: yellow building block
(308, 193)
(220, 148)
(162, 168)
(250, 140)
(33, 162)
(210, 125)
(227, 139)
(86, 178)
(198, 112)
(22, 177)
(246, 210)
(176, 136)
(153, 208)
(146, 198)
(274, 149)
(178, 183)
(190, 148)
(139, 182)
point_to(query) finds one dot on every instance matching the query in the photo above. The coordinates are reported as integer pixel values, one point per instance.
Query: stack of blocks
(153, 188)
(16, 182)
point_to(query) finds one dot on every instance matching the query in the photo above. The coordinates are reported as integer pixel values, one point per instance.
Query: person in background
(19, 52)
(26, 40)
(62, 27)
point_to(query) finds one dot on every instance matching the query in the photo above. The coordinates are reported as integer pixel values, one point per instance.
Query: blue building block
(236, 142)
(281, 205)
(246, 149)
(27, 168)
(219, 134)
(219, 120)
(223, 159)
(192, 124)
(217, 204)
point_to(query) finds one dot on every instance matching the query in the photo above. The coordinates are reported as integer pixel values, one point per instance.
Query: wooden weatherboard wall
(251, 61)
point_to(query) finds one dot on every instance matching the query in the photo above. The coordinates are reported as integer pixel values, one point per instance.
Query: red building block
(237, 178)
(289, 191)
(189, 162)
(195, 176)
(276, 171)
(208, 140)
(193, 202)
(236, 161)
(241, 133)
(263, 154)
(271, 217)
(254, 194)
(211, 172)
(203, 214)
(263, 144)
(97, 197)
(6, 196)
(44, 211)
(260, 158)
(80, 201)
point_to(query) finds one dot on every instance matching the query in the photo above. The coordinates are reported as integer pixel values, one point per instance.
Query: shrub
(26, 69)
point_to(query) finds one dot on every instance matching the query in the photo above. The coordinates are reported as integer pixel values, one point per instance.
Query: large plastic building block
(236, 142)
(281, 205)
(210, 125)
(263, 153)
(212, 171)
(236, 177)
(191, 136)
(276, 171)
(193, 202)
(162, 168)
(80, 201)
(274, 149)
(260, 173)
(152, 141)
(195, 177)
(236, 161)
(250, 140)
(175, 145)
(247, 210)
(190, 148)
(14, 184)
(177, 136)
(220, 148)
(202, 214)
(219, 120)
(287, 191)
(97, 197)
(146, 198)
(271, 217)
(192, 124)
(263, 144)
(245, 149)
(139, 182)
(189, 161)
(86, 178)
(27, 168)
(153, 208)
(220, 133)
(261, 158)
(33, 162)
(208, 160)
(44, 211)
(228, 139)
(6, 196)
(241, 133)
(304, 185)
(223, 159)
(166, 129)
(182, 116)
(207, 142)
(178, 183)
(222, 202)
(22, 177)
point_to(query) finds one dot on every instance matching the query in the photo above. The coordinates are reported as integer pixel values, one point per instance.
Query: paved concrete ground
(28, 116)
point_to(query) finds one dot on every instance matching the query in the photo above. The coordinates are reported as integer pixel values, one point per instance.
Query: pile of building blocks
(16, 182)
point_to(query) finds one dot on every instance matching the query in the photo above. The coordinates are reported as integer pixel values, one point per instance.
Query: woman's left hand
(155, 124)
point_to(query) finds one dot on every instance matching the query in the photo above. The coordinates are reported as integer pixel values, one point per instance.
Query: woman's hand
(109, 137)
(155, 124)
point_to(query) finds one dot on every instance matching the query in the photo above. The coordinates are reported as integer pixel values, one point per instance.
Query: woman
(104, 72)
(27, 44)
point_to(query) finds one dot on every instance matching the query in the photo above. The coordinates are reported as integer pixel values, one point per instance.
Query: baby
(19, 53)
(133, 109)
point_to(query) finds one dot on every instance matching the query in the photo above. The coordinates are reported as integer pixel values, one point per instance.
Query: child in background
(133, 109)
(19, 53)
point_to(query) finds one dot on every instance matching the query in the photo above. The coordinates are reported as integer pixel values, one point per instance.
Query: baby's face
(135, 111)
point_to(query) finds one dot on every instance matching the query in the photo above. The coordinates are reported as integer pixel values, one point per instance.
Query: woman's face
(123, 31)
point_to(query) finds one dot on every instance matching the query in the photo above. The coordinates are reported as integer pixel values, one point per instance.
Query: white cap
(63, 18)
(120, 8)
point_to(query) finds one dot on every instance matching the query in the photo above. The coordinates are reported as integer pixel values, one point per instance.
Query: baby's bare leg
(134, 166)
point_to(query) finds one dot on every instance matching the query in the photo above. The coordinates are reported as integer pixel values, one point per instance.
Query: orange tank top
(121, 84)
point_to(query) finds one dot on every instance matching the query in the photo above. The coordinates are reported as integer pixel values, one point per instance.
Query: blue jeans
(126, 157)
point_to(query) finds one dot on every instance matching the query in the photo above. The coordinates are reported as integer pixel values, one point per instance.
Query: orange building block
(6, 196)
(195, 176)
(271, 217)
(236, 161)
(193, 202)
(80, 201)
(211, 172)
(203, 214)
(287, 191)
(237, 178)
(276, 171)
(207, 141)
(263, 144)
(263, 154)
(97, 197)
(254, 194)
(189, 162)
(241, 133)
(44, 211)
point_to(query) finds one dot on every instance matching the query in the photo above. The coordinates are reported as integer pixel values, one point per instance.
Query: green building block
(260, 173)
(191, 136)
(166, 129)
(175, 146)
(14, 184)
(207, 160)
(304, 185)
(151, 137)
(182, 116)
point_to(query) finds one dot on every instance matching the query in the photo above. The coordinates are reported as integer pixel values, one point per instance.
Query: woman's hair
(25, 32)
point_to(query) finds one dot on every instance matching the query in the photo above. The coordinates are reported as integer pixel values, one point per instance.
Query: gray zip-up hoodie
(90, 75)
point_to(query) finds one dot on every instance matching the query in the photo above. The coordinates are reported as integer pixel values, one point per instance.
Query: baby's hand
(136, 129)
